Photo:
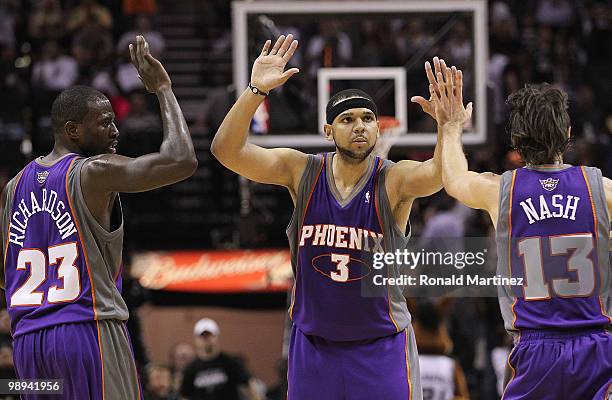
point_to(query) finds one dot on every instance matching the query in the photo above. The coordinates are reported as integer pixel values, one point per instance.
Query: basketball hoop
(388, 124)
(390, 130)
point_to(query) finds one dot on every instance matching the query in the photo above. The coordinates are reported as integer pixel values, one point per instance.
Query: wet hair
(73, 105)
(354, 98)
(539, 123)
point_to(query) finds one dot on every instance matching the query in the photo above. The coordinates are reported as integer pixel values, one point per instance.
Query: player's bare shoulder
(412, 179)
(296, 162)
(96, 167)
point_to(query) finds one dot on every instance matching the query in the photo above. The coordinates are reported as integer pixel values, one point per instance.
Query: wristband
(256, 90)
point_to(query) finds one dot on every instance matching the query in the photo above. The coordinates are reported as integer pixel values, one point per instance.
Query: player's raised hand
(269, 68)
(150, 71)
(427, 104)
(447, 96)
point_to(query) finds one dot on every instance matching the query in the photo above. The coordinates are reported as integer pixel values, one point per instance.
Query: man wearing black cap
(351, 339)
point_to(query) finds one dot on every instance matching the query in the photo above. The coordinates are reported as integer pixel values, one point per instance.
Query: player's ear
(569, 132)
(71, 128)
(327, 128)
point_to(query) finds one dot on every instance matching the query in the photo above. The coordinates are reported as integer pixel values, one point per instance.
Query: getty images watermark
(450, 268)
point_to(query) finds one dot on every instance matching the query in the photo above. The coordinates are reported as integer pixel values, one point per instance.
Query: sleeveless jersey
(437, 377)
(552, 232)
(332, 243)
(61, 266)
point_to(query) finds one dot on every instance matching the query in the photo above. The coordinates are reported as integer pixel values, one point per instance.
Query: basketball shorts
(94, 361)
(561, 365)
(383, 368)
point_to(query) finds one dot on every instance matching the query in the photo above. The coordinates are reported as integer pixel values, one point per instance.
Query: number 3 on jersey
(64, 257)
(342, 273)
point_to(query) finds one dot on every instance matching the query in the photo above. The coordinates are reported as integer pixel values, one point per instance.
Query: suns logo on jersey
(41, 177)
(549, 184)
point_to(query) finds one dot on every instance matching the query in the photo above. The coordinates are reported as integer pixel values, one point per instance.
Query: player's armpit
(476, 190)
(282, 166)
(414, 179)
(109, 173)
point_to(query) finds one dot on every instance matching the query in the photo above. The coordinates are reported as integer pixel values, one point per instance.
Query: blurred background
(214, 245)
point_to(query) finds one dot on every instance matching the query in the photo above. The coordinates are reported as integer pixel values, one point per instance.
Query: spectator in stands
(93, 48)
(181, 355)
(441, 376)
(13, 100)
(46, 21)
(554, 13)
(331, 47)
(7, 22)
(141, 129)
(126, 75)
(412, 38)
(445, 229)
(135, 296)
(87, 13)
(143, 26)
(134, 7)
(7, 370)
(159, 383)
(215, 375)
(5, 322)
(56, 70)
(279, 390)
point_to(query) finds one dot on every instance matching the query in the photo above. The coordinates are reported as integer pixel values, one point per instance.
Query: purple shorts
(561, 365)
(383, 368)
(94, 361)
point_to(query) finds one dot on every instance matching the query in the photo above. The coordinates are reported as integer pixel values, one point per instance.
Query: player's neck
(558, 161)
(348, 173)
(57, 153)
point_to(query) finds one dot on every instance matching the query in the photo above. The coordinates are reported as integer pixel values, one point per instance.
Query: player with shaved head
(62, 230)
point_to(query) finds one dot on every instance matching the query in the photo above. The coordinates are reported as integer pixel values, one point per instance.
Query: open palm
(269, 68)
(427, 104)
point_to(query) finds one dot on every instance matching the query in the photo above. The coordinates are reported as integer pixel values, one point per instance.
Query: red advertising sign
(214, 271)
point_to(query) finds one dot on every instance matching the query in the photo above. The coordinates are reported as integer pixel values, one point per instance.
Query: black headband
(353, 102)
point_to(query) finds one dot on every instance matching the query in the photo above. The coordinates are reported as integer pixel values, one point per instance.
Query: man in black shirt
(215, 375)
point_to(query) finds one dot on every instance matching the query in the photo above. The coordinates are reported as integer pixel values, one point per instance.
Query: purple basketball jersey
(336, 240)
(552, 234)
(47, 270)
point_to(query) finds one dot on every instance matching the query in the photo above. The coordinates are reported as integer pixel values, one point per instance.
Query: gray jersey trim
(331, 182)
(597, 191)
(394, 239)
(549, 167)
(6, 218)
(119, 369)
(505, 295)
(103, 250)
(414, 374)
(311, 174)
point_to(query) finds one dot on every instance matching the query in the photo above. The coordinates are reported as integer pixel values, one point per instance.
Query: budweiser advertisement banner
(214, 271)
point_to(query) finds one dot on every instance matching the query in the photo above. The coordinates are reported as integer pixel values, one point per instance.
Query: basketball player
(348, 204)
(62, 227)
(553, 226)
